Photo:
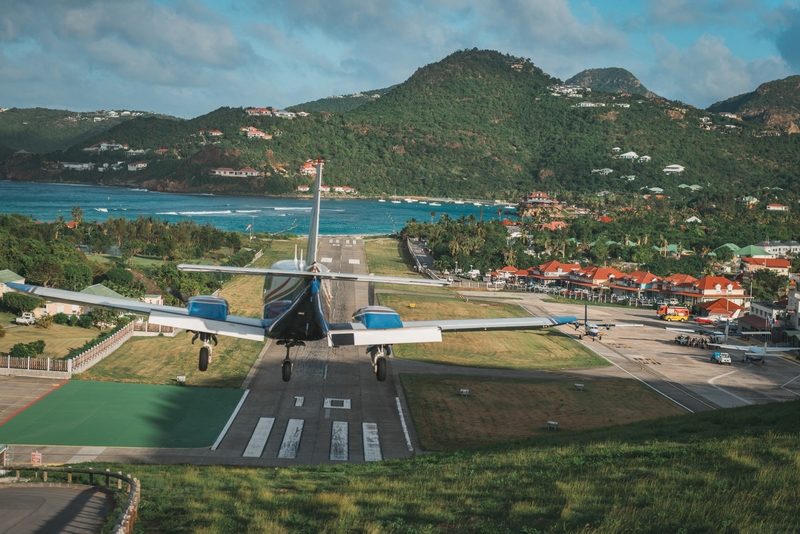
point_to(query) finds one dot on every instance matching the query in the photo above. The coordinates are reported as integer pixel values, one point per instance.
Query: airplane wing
(609, 325)
(255, 271)
(178, 317)
(348, 334)
(770, 351)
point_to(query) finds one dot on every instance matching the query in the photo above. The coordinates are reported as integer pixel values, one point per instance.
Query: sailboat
(394, 198)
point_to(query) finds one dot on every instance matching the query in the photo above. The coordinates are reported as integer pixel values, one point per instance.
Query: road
(38, 509)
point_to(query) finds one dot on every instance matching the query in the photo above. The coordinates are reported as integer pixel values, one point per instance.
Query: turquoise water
(45, 202)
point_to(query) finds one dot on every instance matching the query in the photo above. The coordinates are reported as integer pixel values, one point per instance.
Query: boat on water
(434, 204)
(458, 202)
(396, 202)
(423, 202)
(381, 200)
(476, 203)
(510, 207)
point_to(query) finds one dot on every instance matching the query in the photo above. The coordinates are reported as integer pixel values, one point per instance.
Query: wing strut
(313, 230)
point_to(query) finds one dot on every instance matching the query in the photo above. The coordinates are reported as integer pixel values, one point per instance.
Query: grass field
(158, 360)
(519, 349)
(135, 261)
(727, 471)
(59, 340)
(504, 410)
(81, 413)
(390, 257)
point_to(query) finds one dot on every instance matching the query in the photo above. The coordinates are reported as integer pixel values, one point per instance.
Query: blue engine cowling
(208, 307)
(378, 317)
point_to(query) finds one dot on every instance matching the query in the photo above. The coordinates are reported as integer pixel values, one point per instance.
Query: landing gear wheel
(580, 336)
(203, 363)
(286, 370)
(380, 368)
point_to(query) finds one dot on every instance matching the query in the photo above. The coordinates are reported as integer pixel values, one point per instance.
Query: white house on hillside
(674, 168)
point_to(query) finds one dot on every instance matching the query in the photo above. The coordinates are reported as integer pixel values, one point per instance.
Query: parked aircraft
(753, 353)
(296, 302)
(593, 329)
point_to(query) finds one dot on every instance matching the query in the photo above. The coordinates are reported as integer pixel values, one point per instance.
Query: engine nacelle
(377, 317)
(208, 307)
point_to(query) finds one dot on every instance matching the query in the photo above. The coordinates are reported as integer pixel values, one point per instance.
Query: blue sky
(188, 57)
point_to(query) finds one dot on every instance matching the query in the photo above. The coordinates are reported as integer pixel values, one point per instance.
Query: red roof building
(595, 277)
(710, 288)
(552, 271)
(721, 308)
(777, 265)
(604, 219)
(552, 226)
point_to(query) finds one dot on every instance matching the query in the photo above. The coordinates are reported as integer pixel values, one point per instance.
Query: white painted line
(789, 382)
(711, 382)
(372, 444)
(298, 401)
(230, 420)
(86, 454)
(326, 260)
(336, 245)
(255, 448)
(291, 439)
(343, 404)
(339, 441)
(352, 261)
(325, 374)
(403, 424)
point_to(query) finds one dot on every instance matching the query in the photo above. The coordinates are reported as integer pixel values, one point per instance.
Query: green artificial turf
(107, 414)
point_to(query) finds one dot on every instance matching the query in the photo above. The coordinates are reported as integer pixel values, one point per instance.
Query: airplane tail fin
(313, 231)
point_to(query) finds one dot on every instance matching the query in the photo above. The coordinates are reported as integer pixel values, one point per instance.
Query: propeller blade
(177, 294)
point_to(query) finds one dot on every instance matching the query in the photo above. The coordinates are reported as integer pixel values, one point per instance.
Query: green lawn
(103, 414)
(59, 340)
(520, 349)
(728, 471)
(390, 257)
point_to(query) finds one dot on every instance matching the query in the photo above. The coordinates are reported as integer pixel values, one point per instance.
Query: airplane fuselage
(296, 308)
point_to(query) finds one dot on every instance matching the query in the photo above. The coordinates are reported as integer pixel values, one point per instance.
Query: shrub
(119, 276)
(61, 318)
(27, 350)
(85, 321)
(2, 331)
(18, 303)
(45, 321)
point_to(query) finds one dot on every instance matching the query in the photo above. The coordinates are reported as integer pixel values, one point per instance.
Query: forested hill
(478, 124)
(774, 105)
(341, 103)
(611, 80)
(46, 130)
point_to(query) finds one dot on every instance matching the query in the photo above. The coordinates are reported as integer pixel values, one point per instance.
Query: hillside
(611, 80)
(774, 105)
(477, 124)
(47, 130)
(341, 103)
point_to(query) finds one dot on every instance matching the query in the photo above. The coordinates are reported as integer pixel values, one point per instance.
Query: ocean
(45, 202)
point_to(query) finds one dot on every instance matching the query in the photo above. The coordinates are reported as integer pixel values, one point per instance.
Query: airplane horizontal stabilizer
(233, 326)
(254, 271)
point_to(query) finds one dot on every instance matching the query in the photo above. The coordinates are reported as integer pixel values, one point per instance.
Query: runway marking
(255, 448)
(789, 382)
(230, 421)
(86, 454)
(343, 404)
(291, 439)
(352, 261)
(298, 401)
(339, 441)
(326, 260)
(325, 373)
(711, 381)
(372, 443)
(403, 423)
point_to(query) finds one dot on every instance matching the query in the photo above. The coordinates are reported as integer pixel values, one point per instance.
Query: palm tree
(433, 214)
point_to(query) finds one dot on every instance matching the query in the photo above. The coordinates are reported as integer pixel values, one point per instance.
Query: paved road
(28, 509)
(17, 392)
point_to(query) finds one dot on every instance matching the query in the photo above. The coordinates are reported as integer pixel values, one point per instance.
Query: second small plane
(296, 302)
(593, 329)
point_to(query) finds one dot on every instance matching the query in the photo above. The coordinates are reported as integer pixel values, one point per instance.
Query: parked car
(27, 319)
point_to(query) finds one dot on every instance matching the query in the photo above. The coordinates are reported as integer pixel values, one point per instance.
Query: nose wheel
(378, 355)
(287, 365)
(205, 350)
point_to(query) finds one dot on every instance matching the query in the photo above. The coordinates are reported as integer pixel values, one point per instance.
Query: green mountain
(611, 80)
(477, 124)
(341, 103)
(41, 130)
(774, 105)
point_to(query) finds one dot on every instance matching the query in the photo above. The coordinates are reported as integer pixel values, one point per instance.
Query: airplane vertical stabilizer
(313, 231)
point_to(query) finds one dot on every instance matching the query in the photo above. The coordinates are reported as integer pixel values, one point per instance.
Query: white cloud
(707, 71)
(662, 13)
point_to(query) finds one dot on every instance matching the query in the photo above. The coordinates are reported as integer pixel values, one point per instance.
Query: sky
(188, 57)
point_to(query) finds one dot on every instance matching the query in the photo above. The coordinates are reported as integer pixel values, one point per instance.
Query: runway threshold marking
(255, 447)
(339, 441)
(372, 443)
(291, 439)
(342, 404)
(230, 421)
(403, 423)
(299, 401)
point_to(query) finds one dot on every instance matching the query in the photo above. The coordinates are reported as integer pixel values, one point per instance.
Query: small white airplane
(295, 308)
(753, 353)
(593, 329)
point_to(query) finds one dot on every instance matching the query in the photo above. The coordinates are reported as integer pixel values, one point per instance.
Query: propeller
(177, 294)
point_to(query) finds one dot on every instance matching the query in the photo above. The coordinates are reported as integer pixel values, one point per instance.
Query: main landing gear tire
(380, 368)
(286, 371)
(203, 363)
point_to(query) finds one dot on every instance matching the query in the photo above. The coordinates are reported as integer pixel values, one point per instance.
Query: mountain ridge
(611, 80)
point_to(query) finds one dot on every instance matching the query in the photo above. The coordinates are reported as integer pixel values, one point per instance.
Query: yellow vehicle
(675, 317)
